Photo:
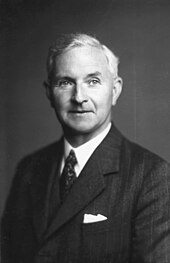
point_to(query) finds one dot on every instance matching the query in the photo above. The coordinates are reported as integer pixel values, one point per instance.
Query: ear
(117, 89)
(48, 92)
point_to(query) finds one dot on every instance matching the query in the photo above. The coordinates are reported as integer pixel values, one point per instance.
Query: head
(83, 84)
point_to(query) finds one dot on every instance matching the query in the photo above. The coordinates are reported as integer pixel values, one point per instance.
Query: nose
(79, 95)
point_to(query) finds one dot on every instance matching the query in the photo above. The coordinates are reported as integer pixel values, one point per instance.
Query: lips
(80, 112)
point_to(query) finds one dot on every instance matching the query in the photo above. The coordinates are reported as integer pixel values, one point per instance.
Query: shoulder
(130, 150)
(43, 154)
(130, 154)
(37, 161)
(146, 173)
(144, 161)
(141, 153)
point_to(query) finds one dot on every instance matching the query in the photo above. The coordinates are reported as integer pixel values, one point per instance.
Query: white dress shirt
(84, 151)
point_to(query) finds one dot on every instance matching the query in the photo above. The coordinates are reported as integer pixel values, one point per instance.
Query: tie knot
(71, 158)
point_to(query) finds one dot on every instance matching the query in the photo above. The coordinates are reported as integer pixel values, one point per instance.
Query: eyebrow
(97, 73)
(90, 75)
(58, 77)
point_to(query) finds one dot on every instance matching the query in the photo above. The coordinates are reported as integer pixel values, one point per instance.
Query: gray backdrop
(139, 33)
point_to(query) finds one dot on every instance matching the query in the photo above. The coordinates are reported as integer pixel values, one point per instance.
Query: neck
(76, 139)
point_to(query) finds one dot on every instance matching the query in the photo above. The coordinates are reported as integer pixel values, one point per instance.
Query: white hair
(68, 41)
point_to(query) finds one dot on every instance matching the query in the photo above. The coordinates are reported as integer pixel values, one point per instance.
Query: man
(94, 196)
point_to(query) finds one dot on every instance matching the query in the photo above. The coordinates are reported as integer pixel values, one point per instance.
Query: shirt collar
(84, 151)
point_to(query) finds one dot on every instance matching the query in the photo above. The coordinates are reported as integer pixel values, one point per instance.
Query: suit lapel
(91, 181)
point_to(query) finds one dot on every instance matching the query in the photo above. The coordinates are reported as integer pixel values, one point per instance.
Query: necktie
(68, 175)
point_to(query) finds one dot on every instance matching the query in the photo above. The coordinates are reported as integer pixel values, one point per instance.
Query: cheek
(60, 99)
(103, 101)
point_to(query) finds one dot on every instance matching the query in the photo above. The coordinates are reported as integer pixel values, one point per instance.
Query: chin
(78, 129)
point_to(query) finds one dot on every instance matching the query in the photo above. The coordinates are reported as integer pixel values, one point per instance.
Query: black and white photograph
(85, 131)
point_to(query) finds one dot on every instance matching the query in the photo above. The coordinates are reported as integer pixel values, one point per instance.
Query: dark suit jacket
(122, 181)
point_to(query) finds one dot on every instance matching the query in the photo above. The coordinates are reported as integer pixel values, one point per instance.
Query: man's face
(83, 91)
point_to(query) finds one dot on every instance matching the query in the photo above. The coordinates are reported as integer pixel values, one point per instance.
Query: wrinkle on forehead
(85, 60)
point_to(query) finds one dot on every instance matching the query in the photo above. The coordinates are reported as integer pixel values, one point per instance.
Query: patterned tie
(68, 175)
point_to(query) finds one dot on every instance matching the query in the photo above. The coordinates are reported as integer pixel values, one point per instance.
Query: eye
(63, 83)
(93, 82)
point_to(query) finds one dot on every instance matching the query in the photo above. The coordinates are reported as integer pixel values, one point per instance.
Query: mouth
(80, 112)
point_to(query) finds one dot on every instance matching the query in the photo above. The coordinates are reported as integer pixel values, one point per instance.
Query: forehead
(81, 60)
